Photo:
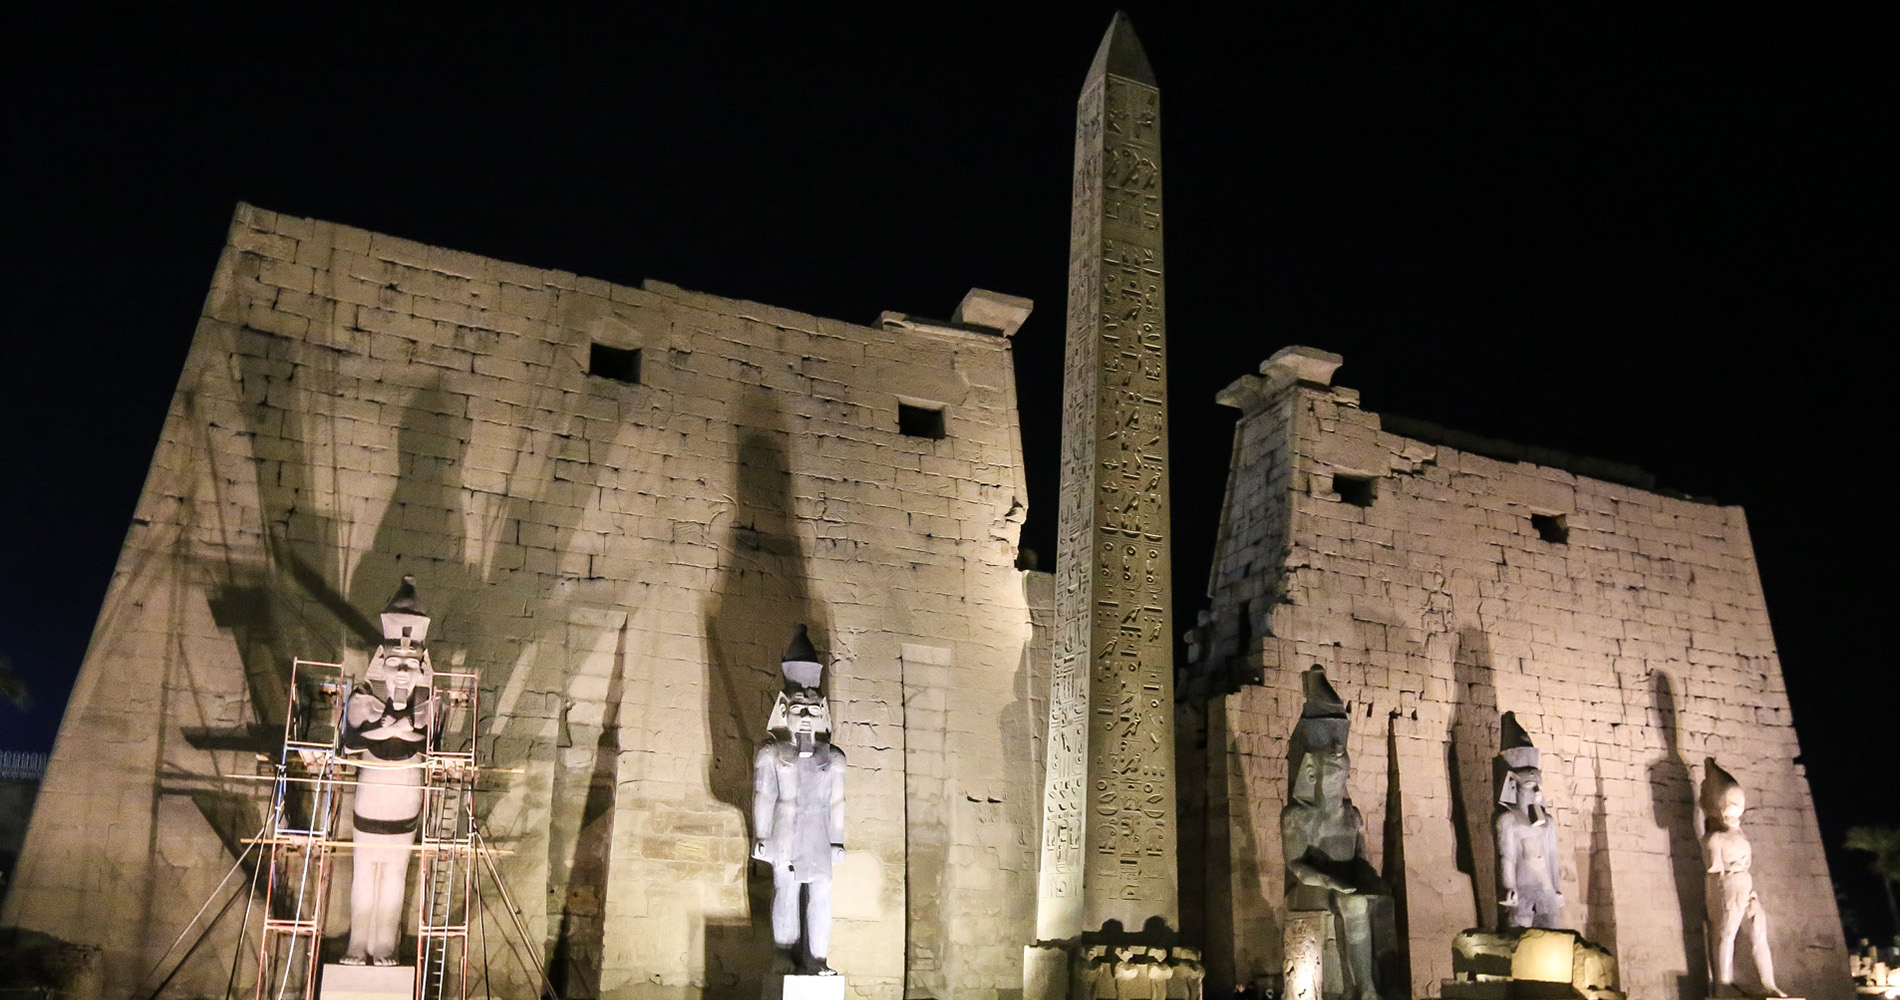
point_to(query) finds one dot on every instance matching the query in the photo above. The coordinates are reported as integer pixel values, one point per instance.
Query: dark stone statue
(1338, 907)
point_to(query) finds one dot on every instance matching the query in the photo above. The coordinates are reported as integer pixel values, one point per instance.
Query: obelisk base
(1112, 972)
(1045, 972)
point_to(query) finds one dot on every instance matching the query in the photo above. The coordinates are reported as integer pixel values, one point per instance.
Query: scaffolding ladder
(447, 879)
(299, 853)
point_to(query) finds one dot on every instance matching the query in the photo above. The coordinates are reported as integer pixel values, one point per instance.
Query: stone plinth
(1306, 955)
(367, 982)
(1529, 965)
(808, 988)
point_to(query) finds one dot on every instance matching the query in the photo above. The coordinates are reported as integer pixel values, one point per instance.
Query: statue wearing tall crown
(385, 727)
(1528, 862)
(798, 809)
(1730, 885)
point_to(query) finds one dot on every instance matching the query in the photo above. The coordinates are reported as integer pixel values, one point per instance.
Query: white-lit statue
(1327, 874)
(1528, 862)
(385, 726)
(798, 809)
(1730, 885)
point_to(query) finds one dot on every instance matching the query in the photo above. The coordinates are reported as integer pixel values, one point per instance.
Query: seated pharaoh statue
(1340, 934)
(385, 727)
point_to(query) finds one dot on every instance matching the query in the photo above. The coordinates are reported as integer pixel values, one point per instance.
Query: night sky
(1663, 237)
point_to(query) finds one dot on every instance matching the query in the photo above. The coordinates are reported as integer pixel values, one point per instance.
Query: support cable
(244, 927)
(239, 863)
(514, 911)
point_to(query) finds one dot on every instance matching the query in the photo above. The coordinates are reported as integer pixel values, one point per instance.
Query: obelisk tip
(1121, 53)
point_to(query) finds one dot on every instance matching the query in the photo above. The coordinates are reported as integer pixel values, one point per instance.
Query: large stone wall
(622, 563)
(1630, 650)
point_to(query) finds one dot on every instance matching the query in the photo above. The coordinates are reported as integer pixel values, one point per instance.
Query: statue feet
(817, 967)
(382, 961)
(353, 958)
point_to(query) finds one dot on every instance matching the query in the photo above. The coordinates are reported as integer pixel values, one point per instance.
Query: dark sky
(1663, 237)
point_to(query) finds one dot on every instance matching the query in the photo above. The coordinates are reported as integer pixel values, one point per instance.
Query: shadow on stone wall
(1471, 752)
(1600, 890)
(1672, 799)
(300, 605)
(1397, 974)
(574, 963)
(761, 595)
(1241, 899)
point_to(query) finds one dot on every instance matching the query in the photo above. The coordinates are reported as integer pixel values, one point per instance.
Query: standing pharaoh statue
(1730, 885)
(798, 809)
(1528, 862)
(385, 726)
(1338, 907)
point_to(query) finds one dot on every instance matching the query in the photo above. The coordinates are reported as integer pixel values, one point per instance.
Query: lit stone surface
(1108, 838)
(1637, 645)
(812, 988)
(367, 982)
(993, 311)
(619, 561)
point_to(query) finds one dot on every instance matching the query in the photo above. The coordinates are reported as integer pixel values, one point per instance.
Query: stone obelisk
(1108, 847)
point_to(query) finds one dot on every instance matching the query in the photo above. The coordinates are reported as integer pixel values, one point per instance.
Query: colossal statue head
(401, 664)
(1523, 786)
(1723, 801)
(1319, 743)
(800, 713)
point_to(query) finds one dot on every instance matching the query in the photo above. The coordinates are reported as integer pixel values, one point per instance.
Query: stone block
(993, 311)
(807, 988)
(367, 982)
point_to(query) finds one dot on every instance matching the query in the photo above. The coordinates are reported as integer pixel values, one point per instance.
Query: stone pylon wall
(1630, 651)
(623, 564)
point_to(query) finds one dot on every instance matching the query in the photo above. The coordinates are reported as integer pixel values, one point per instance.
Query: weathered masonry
(1439, 587)
(619, 502)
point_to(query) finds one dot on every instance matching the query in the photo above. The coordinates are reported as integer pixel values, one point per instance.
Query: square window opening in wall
(617, 363)
(917, 420)
(1355, 490)
(1551, 528)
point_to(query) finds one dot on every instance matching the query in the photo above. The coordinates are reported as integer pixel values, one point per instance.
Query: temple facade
(618, 503)
(621, 502)
(1441, 580)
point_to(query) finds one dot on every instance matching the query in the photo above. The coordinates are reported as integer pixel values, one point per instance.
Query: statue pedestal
(1531, 964)
(367, 982)
(805, 988)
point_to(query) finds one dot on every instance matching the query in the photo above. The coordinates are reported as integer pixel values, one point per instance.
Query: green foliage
(1883, 842)
(12, 688)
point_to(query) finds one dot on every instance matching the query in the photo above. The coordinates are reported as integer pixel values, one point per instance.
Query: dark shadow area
(424, 531)
(1600, 892)
(1471, 750)
(1672, 798)
(299, 605)
(762, 594)
(1193, 866)
(1399, 973)
(574, 963)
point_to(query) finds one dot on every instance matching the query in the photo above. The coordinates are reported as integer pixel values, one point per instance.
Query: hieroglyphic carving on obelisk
(1108, 848)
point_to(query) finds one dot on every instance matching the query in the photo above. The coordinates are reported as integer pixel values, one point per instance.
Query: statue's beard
(805, 742)
(399, 697)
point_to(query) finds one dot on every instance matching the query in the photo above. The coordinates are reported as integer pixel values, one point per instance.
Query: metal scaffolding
(301, 838)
